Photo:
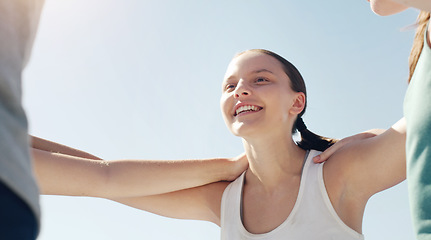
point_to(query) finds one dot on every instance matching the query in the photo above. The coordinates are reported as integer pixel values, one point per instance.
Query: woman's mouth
(246, 108)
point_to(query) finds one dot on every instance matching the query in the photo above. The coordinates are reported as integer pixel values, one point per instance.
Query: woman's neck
(272, 161)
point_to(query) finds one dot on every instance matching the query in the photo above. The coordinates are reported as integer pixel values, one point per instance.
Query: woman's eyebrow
(230, 78)
(262, 70)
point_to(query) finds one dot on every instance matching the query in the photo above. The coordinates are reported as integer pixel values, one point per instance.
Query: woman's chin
(387, 8)
(241, 129)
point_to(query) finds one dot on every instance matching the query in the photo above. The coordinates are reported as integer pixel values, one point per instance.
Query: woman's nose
(244, 93)
(241, 90)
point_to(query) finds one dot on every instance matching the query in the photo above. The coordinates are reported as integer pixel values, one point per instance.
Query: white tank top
(312, 216)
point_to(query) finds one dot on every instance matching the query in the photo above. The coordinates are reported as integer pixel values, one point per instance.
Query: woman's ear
(298, 103)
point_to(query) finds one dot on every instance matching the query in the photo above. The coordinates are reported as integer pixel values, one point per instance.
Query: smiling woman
(260, 80)
(281, 183)
(141, 79)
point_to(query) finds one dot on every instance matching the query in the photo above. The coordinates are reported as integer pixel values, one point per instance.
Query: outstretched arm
(133, 183)
(346, 141)
(61, 174)
(200, 203)
(373, 164)
(49, 146)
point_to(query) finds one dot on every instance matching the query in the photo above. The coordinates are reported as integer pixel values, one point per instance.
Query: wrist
(237, 166)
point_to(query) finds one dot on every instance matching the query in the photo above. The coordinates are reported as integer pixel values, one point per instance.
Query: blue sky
(142, 80)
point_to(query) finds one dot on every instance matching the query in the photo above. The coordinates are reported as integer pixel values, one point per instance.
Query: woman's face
(257, 97)
(386, 7)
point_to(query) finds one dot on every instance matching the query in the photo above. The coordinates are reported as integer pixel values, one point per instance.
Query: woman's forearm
(60, 174)
(50, 146)
(150, 177)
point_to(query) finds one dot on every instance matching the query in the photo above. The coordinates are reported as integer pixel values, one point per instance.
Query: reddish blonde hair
(418, 42)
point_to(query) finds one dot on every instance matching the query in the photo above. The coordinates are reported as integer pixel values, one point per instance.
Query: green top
(417, 111)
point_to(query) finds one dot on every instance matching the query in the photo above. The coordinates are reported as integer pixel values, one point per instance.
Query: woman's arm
(200, 203)
(345, 141)
(49, 146)
(373, 164)
(60, 174)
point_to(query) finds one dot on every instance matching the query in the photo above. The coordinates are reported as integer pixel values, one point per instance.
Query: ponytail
(418, 42)
(310, 140)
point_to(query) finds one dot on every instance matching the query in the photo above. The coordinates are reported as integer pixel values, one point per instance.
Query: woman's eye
(230, 87)
(260, 80)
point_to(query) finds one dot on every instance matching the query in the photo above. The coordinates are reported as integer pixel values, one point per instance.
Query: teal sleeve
(417, 109)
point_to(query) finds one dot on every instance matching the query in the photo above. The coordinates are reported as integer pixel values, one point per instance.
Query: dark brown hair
(309, 140)
(418, 42)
